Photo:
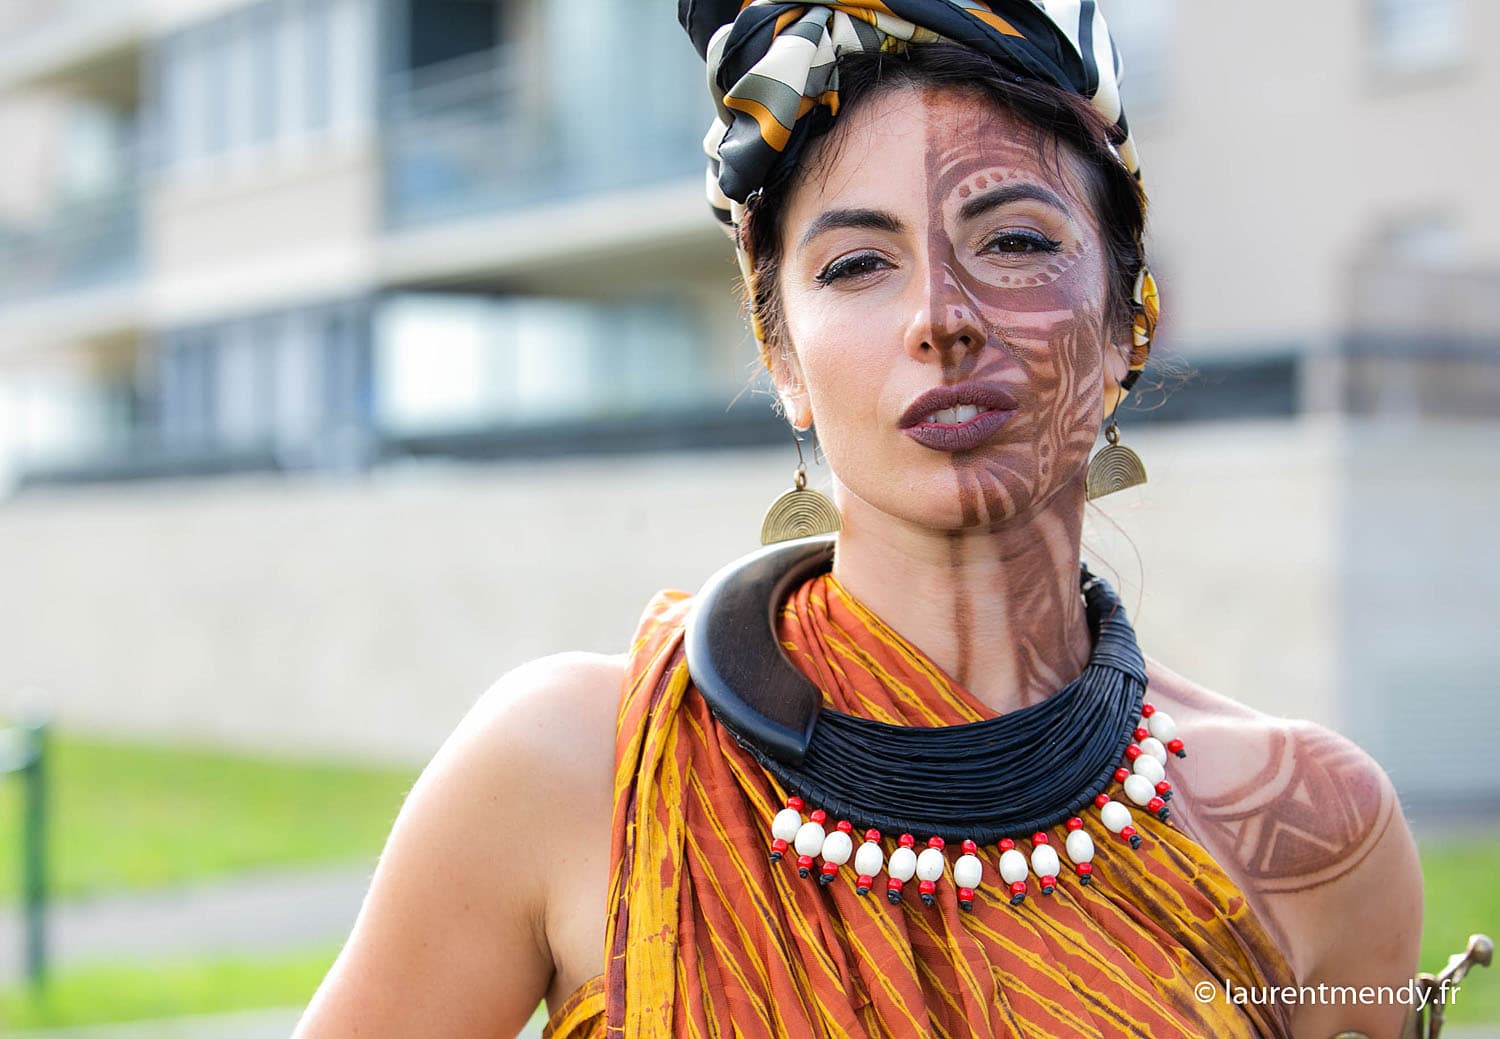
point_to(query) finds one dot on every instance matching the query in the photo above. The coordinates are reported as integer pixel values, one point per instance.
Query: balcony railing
(479, 135)
(86, 245)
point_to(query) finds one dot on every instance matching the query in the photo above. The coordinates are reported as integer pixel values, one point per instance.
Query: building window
(1409, 36)
(276, 74)
(279, 383)
(449, 363)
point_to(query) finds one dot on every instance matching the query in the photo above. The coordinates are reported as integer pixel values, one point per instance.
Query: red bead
(1147, 710)
(927, 887)
(893, 891)
(893, 884)
(1127, 832)
(1038, 838)
(1155, 805)
(935, 842)
(1101, 800)
(829, 869)
(1176, 747)
(1075, 823)
(794, 802)
(872, 835)
(1122, 774)
(1163, 787)
(1006, 844)
(819, 817)
(907, 840)
(778, 846)
(804, 865)
(845, 826)
(1085, 868)
(1047, 884)
(1142, 733)
(862, 884)
(970, 848)
(966, 898)
(1132, 752)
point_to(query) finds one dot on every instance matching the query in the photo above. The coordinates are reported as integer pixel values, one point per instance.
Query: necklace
(1001, 779)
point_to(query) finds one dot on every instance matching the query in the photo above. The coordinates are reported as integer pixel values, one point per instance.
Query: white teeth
(955, 416)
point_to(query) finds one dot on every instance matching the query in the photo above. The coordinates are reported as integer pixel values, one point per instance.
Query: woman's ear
(1117, 354)
(791, 389)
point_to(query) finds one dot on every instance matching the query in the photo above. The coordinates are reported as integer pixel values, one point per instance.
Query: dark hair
(1060, 118)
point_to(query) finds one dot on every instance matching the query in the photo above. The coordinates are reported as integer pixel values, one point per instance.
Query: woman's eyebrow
(1006, 193)
(873, 219)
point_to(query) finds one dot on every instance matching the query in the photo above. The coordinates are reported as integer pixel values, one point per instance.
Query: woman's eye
(1021, 242)
(850, 267)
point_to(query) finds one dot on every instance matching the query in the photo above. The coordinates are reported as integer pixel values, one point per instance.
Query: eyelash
(1031, 240)
(862, 263)
(844, 267)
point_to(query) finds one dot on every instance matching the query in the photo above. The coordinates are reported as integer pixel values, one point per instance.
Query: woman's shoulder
(1302, 803)
(1304, 820)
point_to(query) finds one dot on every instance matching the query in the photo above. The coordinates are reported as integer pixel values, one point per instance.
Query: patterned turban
(772, 74)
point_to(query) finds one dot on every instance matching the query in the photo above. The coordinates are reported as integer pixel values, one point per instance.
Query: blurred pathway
(256, 913)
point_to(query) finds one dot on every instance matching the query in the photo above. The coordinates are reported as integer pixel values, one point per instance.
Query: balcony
(86, 245)
(479, 135)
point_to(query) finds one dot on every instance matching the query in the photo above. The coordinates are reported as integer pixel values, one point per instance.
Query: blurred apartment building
(332, 236)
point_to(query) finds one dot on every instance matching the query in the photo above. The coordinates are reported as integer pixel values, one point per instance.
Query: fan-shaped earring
(1114, 468)
(800, 512)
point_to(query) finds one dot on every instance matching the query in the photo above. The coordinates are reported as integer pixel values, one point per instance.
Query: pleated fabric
(709, 938)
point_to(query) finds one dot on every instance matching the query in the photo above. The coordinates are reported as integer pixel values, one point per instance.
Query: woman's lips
(994, 400)
(961, 437)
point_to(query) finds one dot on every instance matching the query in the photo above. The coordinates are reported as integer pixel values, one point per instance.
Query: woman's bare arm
(452, 938)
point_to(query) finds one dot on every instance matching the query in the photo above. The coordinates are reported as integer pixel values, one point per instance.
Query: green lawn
(101, 995)
(1462, 884)
(129, 817)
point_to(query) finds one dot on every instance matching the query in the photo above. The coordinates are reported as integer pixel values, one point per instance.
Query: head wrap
(774, 81)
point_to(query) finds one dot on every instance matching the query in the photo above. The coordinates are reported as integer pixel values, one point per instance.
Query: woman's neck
(997, 609)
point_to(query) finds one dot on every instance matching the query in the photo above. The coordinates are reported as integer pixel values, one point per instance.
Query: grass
(134, 992)
(127, 817)
(1463, 896)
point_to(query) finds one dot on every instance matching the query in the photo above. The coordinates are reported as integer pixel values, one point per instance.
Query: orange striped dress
(707, 937)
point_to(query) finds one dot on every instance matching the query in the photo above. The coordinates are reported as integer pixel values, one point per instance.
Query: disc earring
(800, 512)
(1115, 467)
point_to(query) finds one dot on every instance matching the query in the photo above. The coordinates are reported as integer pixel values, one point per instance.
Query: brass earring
(1115, 467)
(800, 512)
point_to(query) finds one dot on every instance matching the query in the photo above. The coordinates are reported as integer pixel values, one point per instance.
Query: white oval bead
(837, 847)
(810, 839)
(1080, 846)
(968, 871)
(786, 824)
(1153, 746)
(1162, 726)
(903, 865)
(930, 864)
(1044, 861)
(1012, 866)
(1116, 816)
(1146, 765)
(1140, 789)
(868, 860)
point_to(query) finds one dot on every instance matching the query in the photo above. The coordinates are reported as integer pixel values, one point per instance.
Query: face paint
(935, 246)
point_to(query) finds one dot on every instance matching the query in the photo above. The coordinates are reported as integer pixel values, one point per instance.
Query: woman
(946, 278)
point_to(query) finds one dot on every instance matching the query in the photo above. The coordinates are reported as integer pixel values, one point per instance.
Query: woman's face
(944, 290)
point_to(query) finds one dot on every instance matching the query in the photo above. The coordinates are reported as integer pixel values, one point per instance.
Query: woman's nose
(946, 323)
